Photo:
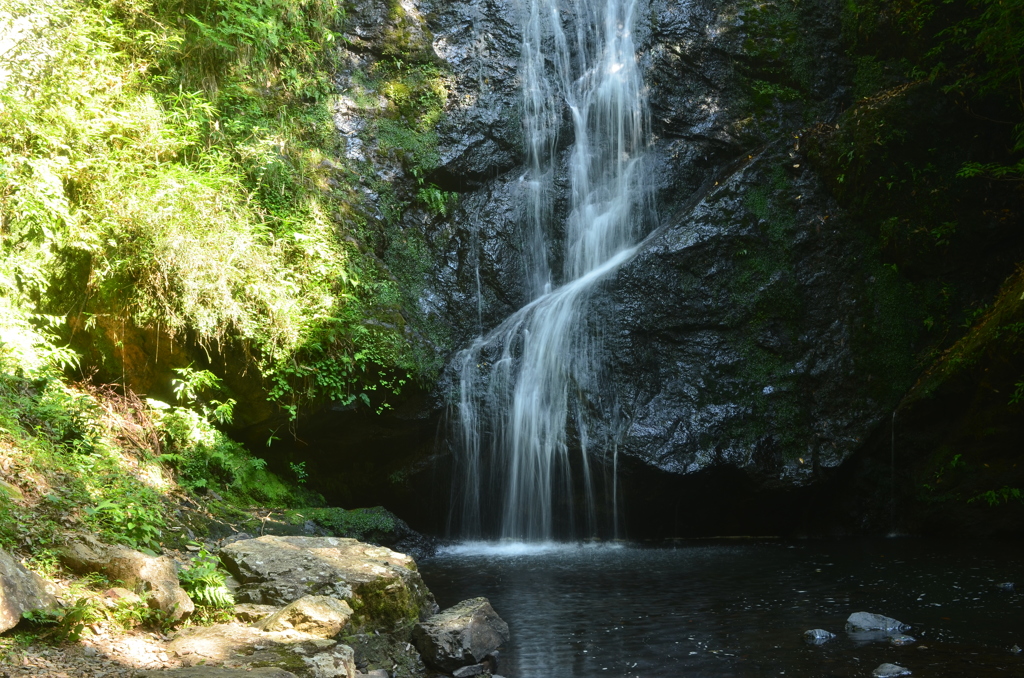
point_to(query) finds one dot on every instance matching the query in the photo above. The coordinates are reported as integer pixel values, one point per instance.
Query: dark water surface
(738, 608)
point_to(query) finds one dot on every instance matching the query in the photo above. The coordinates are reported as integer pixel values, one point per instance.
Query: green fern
(204, 582)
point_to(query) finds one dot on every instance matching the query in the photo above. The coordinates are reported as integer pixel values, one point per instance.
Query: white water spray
(516, 382)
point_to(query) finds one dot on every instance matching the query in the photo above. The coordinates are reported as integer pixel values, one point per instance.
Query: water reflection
(739, 608)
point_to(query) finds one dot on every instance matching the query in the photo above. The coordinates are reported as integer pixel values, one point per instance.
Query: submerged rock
(890, 671)
(382, 587)
(156, 575)
(868, 621)
(462, 635)
(818, 636)
(20, 591)
(1005, 586)
(900, 640)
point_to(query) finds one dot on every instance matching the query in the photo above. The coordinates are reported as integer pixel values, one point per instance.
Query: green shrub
(204, 581)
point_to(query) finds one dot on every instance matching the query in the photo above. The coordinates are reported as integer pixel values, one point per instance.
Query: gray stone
(116, 595)
(20, 591)
(156, 575)
(219, 643)
(235, 646)
(868, 621)
(469, 671)
(320, 616)
(900, 639)
(337, 662)
(818, 636)
(382, 586)
(890, 671)
(248, 612)
(1005, 586)
(378, 673)
(216, 672)
(461, 635)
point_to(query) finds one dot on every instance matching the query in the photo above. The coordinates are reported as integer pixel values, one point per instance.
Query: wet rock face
(748, 354)
(735, 338)
(463, 635)
(479, 40)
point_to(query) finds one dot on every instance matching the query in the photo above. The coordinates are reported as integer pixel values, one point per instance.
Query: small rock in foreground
(1005, 586)
(900, 639)
(461, 635)
(890, 671)
(818, 636)
(469, 671)
(1016, 649)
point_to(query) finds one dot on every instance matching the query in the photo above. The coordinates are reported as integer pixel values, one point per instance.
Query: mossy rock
(383, 588)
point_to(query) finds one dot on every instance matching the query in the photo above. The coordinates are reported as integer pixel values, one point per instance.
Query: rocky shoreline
(305, 607)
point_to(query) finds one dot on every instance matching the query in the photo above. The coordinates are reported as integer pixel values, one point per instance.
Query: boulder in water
(818, 636)
(890, 671)
(460, 636)
(868, 621)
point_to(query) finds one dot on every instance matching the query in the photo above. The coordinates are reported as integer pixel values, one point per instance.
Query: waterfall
(517, 383)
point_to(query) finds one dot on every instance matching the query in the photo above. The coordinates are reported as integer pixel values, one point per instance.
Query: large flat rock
(383, 588)
(239, 647)
(217, 672)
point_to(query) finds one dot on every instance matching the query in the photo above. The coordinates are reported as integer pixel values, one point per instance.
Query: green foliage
(167, 166)
(133, 517)
(999, 497)
(367, 524)
(190, 388)
(782, 65)
(299, 471)
(204, 579)
(970, 48)
(207, 461)
(438, 202)
(67, 624)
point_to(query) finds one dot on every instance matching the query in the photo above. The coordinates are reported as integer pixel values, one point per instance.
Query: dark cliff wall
(817, 254)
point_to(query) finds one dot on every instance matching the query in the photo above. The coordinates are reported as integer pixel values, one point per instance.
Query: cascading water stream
(516, 382)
